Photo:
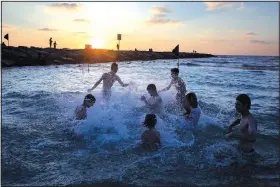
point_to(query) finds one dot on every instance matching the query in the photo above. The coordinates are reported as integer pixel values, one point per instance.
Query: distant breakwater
(34, 56)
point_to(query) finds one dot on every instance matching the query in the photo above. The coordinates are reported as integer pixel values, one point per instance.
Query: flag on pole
(175, 51)
(6, 36)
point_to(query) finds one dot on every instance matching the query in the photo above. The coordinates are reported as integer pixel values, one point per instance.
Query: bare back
(81, 113)
(150, 139)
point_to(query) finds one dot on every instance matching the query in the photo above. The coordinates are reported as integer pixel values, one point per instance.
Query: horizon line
(143, 51)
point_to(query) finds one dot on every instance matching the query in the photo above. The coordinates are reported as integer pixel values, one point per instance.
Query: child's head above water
(192, 99)
(151, 88)
(150, 120)
(89, 100)
(174, 72)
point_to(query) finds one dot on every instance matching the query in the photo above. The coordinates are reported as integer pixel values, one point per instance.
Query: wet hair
(114, 65)
(175, 70)
(244, 99)
(189, 96)
(150, 120)
(89, 97)
(151, 87)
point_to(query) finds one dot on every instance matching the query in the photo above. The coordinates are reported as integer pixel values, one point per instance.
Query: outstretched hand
(89, 90)
(228, 135)
(229, 129)
(187, 116)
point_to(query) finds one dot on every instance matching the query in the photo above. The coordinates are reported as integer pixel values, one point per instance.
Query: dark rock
(24, 56)
(7, 63)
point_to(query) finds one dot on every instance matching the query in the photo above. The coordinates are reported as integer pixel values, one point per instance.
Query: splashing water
(43, 145)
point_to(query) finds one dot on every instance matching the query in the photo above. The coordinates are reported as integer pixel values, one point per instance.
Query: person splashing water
(108, 81)
(154, 103)
(81, 111)
(248, 126)
(192, 113)
(179, 85)
(150, 139)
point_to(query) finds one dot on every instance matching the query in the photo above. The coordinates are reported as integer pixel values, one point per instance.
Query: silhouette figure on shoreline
(118, 47)
(54, 45)
(51, 42)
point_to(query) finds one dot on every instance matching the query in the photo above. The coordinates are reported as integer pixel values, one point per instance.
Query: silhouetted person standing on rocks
(50, 42)
(54, 45)
(118, 47)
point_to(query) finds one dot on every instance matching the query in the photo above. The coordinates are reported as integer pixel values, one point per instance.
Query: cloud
(8, 27)
(260, 42)
(251, 33)
(81, 20)
(219, 40)
(218, 5)
(82, 34)
(47, 29)
(160, 16)
(161, 10)
(163, 21)
(79, 33)
(65, 6)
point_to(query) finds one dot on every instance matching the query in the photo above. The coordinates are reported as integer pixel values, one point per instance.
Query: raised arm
(167, 88)
(120, 81)
(98, 82)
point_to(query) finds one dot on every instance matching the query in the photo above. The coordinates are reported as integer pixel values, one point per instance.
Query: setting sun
(97, 42)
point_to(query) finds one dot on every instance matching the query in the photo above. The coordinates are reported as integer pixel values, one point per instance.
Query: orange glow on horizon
(97, 42)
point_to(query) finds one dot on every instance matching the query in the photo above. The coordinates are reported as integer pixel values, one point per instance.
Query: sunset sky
(221, 28)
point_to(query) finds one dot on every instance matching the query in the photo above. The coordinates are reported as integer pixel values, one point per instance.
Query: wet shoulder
(105, 75)
(252, 120)
(158, 98)
(79, 108)
(196, 110)
(156, 132)
(181, 80)
(116, 76)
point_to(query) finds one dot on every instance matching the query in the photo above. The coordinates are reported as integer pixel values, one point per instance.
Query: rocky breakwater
(34, 56)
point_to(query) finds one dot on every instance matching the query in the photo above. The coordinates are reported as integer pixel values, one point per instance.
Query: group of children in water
(150, 139)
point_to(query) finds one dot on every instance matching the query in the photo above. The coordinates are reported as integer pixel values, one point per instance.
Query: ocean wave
(254, 67)
(215, 60)
(189, 64)
(41, 131)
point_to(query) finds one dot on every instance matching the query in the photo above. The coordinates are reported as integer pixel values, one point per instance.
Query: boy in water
(193, 112)
(81, 111)
(179, 85)
(150, 139)
(108, 81)
(154, 103)
(247, 128)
